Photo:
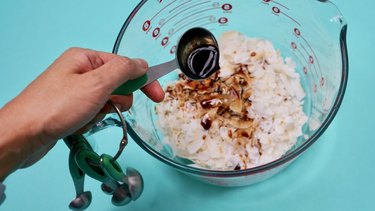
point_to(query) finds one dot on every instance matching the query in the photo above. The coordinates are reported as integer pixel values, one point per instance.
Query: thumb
(118, 70)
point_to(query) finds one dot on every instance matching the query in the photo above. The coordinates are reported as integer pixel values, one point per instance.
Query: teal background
(336, 173)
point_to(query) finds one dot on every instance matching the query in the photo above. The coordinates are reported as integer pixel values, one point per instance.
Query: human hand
(69, 96)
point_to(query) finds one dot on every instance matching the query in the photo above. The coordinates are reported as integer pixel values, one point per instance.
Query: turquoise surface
(336, 173)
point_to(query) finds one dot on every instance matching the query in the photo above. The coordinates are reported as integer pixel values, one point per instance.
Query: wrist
(18, 132)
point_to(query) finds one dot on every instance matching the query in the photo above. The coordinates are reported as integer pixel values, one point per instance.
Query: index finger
(154, 91)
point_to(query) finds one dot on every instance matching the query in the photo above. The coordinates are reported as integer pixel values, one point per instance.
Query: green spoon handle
(153, 73)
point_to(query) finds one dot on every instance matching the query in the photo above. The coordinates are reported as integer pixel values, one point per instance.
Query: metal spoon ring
(124, 140)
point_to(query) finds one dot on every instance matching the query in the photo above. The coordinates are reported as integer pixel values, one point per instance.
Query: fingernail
(142, 63)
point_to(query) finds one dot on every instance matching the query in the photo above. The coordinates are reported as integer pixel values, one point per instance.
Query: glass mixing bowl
(311, 32)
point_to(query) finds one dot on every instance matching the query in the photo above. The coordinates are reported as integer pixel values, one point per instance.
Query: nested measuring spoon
(124, 187)
(197, 56)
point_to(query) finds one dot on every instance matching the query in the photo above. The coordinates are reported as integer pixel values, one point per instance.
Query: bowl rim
(268, 166)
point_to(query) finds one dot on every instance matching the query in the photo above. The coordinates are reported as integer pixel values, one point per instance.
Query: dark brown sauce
(207, 104)
(237, 168)
(206, 123)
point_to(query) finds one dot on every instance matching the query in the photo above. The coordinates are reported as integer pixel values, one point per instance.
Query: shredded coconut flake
(247, 114)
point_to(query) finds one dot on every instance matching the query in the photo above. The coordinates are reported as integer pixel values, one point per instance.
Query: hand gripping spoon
(197, 56)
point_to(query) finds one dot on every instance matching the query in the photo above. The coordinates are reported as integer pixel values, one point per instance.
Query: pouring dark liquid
(203, 61)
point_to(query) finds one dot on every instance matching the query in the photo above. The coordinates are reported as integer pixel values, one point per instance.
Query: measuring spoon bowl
(121, 196)
(135, 182)
(82, 201)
